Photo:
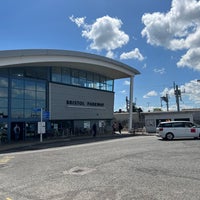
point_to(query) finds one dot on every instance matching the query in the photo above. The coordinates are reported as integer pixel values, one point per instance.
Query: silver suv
(177, 129)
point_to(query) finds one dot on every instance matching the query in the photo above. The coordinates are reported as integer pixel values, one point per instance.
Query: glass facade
(23, 89)
(26, 95)
(3, 97)
(81, 78)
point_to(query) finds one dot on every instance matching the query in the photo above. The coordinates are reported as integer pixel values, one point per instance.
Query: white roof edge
(56, 52)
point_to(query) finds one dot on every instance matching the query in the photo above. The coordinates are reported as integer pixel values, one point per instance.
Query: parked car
(177, 129)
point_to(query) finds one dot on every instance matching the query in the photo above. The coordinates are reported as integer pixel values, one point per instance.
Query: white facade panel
(75, 103)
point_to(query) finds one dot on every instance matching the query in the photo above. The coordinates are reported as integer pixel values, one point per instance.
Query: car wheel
(169, 136)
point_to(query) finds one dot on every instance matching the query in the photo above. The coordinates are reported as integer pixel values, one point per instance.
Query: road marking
(8, 198)
(5, 159)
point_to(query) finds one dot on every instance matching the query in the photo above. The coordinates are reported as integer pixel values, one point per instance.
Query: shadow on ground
(61, 142)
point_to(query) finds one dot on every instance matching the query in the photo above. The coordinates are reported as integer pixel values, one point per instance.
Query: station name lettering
(82, 103)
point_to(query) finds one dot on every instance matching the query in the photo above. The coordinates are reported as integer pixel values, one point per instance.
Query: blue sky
(161, 39)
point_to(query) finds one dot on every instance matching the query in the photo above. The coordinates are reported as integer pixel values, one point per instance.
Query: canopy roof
(74, 59)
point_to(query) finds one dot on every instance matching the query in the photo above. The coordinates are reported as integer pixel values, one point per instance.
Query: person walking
(94, 129)
(120, 127)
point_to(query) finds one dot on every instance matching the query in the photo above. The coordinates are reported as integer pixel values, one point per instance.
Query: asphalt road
(143, 167)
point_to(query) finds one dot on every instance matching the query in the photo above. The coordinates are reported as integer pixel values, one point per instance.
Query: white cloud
(177, 29)
(79, 21)
(123, 92)
(190, 90)
(160, 71)
(135, 54)
(105, 33)
(150, 94)
(126, 82)
(110, 54)
(191, 59)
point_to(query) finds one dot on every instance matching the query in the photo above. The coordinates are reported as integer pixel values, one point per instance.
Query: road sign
(45, 115)
(41, 127)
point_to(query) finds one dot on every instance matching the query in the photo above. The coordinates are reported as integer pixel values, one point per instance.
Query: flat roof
(73, 59)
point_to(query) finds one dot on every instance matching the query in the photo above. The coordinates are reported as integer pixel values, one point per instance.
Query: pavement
(61, 141)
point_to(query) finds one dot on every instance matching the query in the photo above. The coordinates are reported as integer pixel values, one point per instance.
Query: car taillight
(193, 130)
(161, 129)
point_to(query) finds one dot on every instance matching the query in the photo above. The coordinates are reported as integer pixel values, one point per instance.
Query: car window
(189, 124)
(178, 124)
(166, 125)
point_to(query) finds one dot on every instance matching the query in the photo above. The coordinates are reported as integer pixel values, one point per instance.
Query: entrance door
(17, 131)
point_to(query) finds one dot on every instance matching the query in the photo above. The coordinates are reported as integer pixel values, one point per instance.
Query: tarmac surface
(61, 141)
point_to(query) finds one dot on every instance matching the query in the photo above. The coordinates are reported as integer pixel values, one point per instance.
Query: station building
(68, 90)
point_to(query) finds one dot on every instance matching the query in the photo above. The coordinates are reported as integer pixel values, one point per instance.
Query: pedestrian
(94, 129)
(120, 127)
(114, 127)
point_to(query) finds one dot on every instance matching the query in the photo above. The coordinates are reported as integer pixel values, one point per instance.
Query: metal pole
(41, 113)
(131, 104)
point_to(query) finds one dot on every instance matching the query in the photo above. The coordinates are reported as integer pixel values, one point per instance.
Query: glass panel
(56, 74)
(3, 92)
(40, 104)
(29, 85)
(41, 95)
(30, 104)
(17, 113)
(3, 82)
(28, 113)
(18, 93)
(41, 86)
(96, 81)
(82, 78)
(75, 77)
(17, 103)
(3, 112)
(17, 83)
(29, 94)
(4, 71)
(17, 72)
(4, 102)
(37, 72)
(66, 75)
(90, 83)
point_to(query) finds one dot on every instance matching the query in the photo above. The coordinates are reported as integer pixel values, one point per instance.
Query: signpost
(41, 125)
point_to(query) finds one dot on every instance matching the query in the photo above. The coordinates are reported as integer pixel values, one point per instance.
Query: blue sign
(37, 109)
(45, 115)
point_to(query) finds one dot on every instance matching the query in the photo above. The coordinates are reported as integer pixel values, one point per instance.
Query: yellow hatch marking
(5, 159)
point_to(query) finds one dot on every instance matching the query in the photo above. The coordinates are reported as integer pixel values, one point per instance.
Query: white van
(177, 129)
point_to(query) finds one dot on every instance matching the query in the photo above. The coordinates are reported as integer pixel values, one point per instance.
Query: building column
(131, 104)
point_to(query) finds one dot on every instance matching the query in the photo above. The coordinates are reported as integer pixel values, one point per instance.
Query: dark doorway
(17, 131)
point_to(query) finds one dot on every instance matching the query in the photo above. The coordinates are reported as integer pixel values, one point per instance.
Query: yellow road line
(8, 199)
(5, 159)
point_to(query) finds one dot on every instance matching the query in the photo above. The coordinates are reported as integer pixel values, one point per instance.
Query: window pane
(17, 72)
(41, 104)
(3, 82)
(18, 93)
(30, 104)
(17, 113)
(41, 95)
(29, 85)
(3, 92)
(41, 86)
(29, 94)
(17, 103)
(4, 102)
(17, 83)
(66, 75)
(56, 74)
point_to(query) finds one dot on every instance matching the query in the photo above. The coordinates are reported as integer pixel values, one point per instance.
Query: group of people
(117, 126)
